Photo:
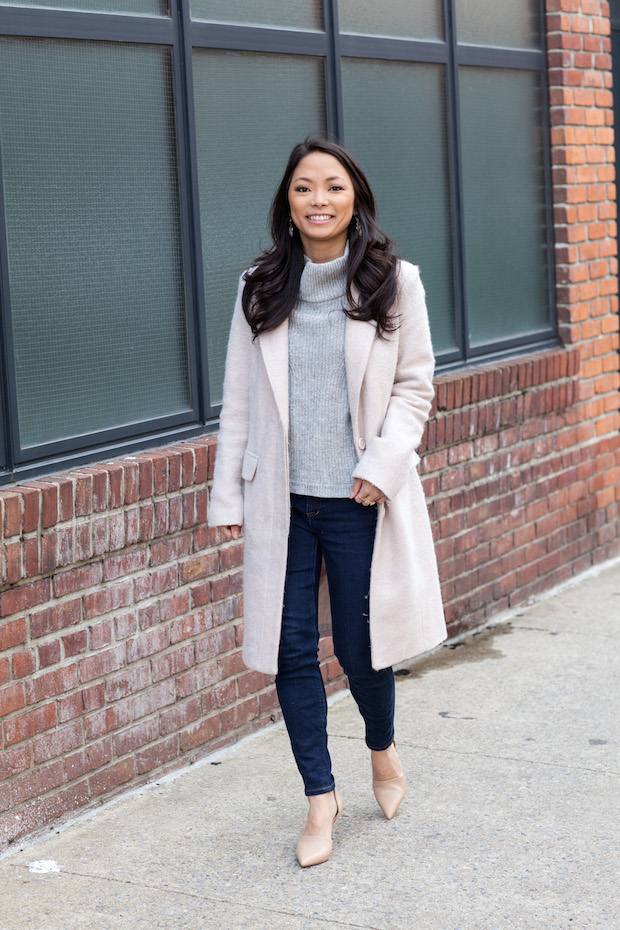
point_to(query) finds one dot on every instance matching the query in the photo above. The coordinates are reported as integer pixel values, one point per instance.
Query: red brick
(199, 567)
(103, 663)
(11, 698)
(56, 618)
(107, 599)
(50, 684)
(219, 697)
(128, 682)
(107, 720)
(23, 663)
(86, 576)
(148, 616)
(207, 647)
(196, 680)
(174, 605)
(189, 626)
(153, 641)
(89, 759)
(13, 561)
(125, 625)
(29, 724)
(155, 582)
(147, 529)
(173, 662)
(152, 700)
(75, 643)
(238, 716)
(231, 665)
(199, 735)
(31, 557)
(110, 778)
(170, 550)
(201, 593)
(180, 715)
(129, 740)
(13, 761)
(13, 504)
(35, 783)
(157, 755)
(24, 597)
(60, 742)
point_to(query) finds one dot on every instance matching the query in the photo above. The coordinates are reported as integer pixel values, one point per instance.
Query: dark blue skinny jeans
(342, 532)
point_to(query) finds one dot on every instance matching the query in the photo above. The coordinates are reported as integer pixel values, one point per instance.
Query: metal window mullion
(548, 179)
(7, 355)
(393, 49)
(69, 24)
(456, 184)
(193, 192)
(255, 38)
(333, 71)
(488, 56)
(186, 230)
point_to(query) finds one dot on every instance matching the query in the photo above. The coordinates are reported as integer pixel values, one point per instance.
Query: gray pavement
(510, 745)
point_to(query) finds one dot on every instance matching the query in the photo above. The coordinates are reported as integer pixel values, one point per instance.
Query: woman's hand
(366, 493)
(231, 532)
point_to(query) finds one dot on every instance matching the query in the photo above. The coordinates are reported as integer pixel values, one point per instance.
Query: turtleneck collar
(324, 280)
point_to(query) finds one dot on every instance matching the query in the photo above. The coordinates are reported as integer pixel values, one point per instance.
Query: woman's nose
(320, 197)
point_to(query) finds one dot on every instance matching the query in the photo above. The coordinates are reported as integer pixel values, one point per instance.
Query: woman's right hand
(231, 532)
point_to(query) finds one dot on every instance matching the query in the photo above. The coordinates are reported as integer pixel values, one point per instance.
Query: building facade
(140, 143)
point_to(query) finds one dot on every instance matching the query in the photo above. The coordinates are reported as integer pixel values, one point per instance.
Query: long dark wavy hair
(272, 286)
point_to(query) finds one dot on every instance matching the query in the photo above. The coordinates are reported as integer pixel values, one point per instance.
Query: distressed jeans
(342, 532)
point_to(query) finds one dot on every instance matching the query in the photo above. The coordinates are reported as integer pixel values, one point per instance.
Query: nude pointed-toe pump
(313, 849)
(389, 792)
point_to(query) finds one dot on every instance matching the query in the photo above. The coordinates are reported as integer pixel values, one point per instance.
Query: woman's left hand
(366, 493)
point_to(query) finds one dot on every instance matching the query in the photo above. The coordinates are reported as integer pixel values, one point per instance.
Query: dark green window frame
(181, 34)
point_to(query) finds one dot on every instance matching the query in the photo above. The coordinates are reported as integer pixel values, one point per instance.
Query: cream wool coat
(390, 392)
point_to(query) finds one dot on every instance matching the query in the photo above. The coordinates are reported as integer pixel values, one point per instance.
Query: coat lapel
(358, 341)
(274, 349)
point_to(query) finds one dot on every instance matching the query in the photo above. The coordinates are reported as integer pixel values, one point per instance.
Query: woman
(327, 389)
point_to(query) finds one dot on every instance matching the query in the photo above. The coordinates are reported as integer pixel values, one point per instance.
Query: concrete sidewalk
(510, 744)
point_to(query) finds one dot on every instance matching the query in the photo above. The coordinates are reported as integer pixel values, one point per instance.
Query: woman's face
(322, 201)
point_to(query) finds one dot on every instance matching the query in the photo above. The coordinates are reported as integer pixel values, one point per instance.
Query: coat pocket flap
(248, 469)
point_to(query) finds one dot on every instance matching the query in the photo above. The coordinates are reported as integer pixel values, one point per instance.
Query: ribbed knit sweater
(321, 447)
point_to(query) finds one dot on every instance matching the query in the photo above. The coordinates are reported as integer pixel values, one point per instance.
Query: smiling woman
(327, 389)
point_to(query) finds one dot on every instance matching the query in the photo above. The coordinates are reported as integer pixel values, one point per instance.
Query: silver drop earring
(357, 224)
(290, 226)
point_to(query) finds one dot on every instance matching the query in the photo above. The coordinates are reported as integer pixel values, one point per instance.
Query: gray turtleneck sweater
(321, 447)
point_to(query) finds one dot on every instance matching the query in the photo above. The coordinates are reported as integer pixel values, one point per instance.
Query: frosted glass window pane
(301, 14)
(136, 7)
(504, 203)
(404, 155)
(507, 23)
(92, 213)
(404, 19)
(251, 109)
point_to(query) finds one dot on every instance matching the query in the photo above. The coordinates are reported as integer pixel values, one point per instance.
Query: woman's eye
(336, 187)
(301, 190)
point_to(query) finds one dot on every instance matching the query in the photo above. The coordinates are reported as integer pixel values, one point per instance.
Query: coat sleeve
(226, 499)
(389, 457)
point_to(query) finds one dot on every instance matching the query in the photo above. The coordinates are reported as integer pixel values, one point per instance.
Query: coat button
(361, 442)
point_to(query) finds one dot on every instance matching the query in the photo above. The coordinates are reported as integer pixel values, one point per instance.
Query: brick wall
(120, 610)
(120, 633)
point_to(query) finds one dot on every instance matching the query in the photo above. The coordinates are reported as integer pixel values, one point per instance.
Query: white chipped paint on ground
(41, 866)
